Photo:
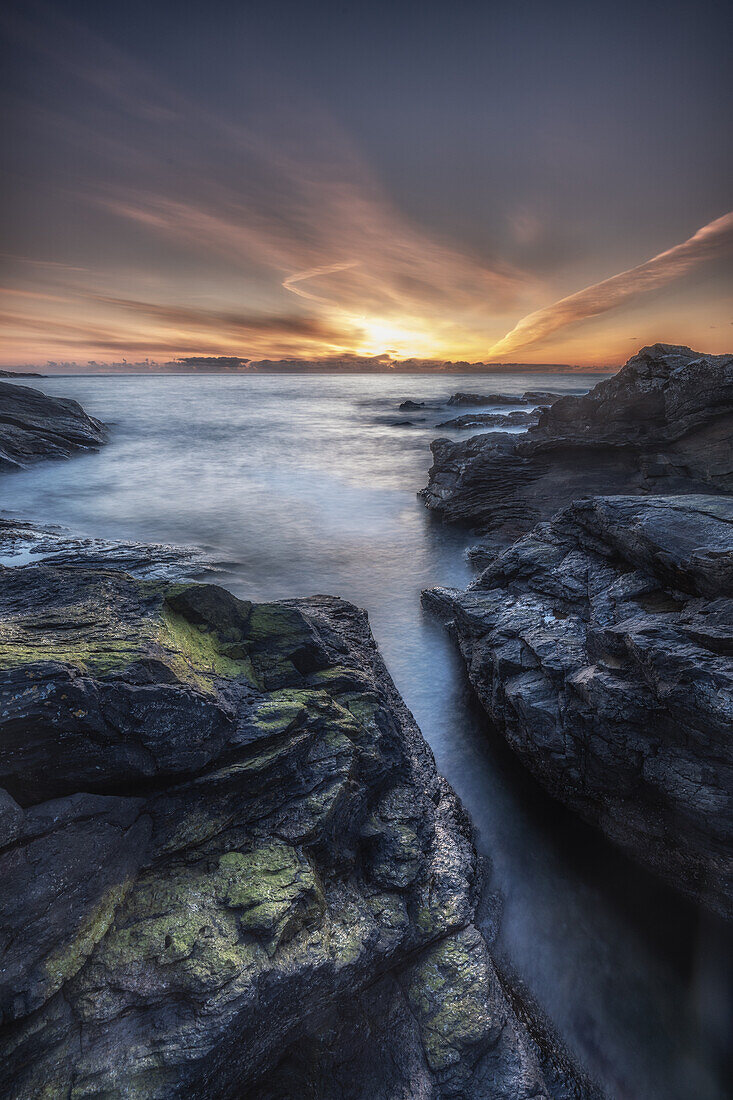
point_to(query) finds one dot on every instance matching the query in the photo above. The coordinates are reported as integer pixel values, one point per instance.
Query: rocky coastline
(663, 424)
(228, 864)
(599, 636)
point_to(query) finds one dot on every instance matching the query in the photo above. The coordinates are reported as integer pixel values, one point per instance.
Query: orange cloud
(712, 240)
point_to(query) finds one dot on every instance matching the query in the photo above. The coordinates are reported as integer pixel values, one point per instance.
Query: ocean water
(306, 484)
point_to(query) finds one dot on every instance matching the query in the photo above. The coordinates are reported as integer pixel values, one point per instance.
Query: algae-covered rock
(229, 867)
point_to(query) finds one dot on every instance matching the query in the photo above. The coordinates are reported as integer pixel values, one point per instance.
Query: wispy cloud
(712, 240)
(285, 204)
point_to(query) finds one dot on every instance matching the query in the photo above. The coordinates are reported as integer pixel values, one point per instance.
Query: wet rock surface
(228, 865)
(34, 426)
(601, 646)
(479, 420)
(663, 424)
(24, 543)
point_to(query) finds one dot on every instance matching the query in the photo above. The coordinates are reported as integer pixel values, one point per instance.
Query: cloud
(712, 240)
(222, 322)
(281, 211)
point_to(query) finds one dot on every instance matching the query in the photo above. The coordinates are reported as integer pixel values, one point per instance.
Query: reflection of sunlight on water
(294, 479)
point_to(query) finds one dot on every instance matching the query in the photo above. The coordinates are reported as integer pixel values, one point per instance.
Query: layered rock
(34, 426)
(663, 424)
(601, 646)
(228, 866)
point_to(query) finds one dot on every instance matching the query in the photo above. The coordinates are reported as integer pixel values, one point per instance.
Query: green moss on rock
(452, 993)
(274, 890)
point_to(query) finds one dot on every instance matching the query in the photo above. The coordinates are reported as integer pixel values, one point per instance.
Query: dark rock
(478, 420)
(663, 424)
(229, 868)
(601, 645)
(20, 374)
(486, 399)
(411, 405)
(34, 426)
(22, 542)
(541, 397)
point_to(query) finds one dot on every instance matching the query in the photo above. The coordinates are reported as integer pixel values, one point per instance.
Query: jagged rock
(22, 542)
(34, 426)
(663, 424)
(601, 645)
(477, 420)
(411, 404)
(229, 867)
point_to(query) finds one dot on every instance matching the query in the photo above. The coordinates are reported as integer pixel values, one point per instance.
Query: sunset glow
(160, 223)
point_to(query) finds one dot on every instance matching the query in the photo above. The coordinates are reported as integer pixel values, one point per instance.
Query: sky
(484, 182)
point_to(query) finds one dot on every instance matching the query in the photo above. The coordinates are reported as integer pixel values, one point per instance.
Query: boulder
(34, 426)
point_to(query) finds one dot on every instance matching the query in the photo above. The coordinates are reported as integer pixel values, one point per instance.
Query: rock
(478, 420)
(34, 426)
(663, 424)
(601, 646)
(541, 397)
(229, 866)
(22, 542)
(20, 374)
(486, 399)
(411, 405)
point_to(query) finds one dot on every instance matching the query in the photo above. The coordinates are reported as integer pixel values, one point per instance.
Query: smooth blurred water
(306, 484)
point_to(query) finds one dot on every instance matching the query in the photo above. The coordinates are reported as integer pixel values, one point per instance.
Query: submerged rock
(601, 646)
(529, 397)
(229, 867)
(477, 420)
(34, 426)
(486, 399)
(22, 543)
(663, 424)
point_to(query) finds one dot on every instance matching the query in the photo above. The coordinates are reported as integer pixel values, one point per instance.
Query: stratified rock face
(663, 424)
(601, 645)
(228, 867)
(34, 426)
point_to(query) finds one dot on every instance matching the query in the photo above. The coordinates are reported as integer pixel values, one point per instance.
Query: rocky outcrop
(663, 424)
(601, 646)
(34, 426)
(228, 867)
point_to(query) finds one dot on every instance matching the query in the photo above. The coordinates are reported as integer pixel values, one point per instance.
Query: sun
(379, 336)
